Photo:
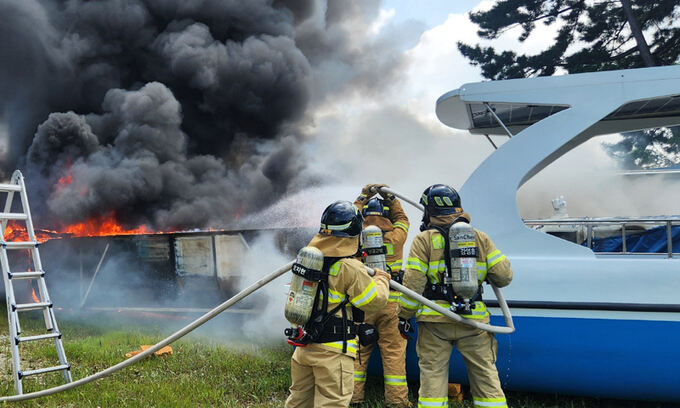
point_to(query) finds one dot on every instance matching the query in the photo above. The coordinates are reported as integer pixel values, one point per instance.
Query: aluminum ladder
(44, 303)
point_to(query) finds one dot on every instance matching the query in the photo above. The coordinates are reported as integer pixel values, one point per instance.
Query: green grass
(201, 373)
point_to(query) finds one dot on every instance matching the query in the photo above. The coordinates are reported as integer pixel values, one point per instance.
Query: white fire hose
(451, 315)
(509, 324)
(177, 335)
(246, 292)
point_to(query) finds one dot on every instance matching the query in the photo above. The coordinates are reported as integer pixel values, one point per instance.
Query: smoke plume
(173, 113)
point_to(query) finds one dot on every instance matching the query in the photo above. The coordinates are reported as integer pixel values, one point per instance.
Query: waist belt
(438, 291)
(334, 331)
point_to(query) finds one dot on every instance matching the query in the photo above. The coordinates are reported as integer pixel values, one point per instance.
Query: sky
(194, 124)
(401, 116)
(430, 12)
(401, 120)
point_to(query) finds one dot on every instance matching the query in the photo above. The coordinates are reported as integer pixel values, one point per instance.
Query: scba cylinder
(372, 246)
(463, 249)
(300, 301)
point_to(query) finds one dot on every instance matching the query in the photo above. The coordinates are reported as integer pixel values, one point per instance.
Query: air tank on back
(463, 249)
(372, 246)
(300, 300)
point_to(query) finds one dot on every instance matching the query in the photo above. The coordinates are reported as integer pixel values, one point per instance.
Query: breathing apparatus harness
(380, 207)
(444, 290)
(397, 277)
(323, 326)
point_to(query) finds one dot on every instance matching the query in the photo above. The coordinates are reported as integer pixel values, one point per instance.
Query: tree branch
(637, 33)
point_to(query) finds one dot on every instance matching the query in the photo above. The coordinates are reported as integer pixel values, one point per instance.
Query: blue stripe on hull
(627, 359)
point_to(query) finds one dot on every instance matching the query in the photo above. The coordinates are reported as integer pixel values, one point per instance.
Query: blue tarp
(653, 240)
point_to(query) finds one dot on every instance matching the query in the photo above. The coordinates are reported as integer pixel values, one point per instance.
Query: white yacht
(590, 319)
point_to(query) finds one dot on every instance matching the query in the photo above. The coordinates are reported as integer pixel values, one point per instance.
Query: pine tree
(611, 32)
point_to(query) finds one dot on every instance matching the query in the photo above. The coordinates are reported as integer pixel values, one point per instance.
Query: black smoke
(172, 113)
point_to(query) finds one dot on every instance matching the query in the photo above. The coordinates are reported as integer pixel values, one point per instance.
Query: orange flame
(100, 225)
(15, 231)
(33, 295)
(67, 178)
(103, 225)
(95, 226)
(30, 282)
(64, 180)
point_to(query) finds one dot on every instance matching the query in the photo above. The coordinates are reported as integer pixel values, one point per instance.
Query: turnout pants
(478, 348)
(393, 352)
(320, 379)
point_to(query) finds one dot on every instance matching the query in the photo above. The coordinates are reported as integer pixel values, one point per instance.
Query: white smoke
(263, 258)
(594, 185)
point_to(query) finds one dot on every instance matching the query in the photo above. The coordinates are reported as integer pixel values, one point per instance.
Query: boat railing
(589, 226)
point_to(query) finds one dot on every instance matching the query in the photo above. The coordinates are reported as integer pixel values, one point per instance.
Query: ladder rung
(26, 275)
(22, 307)
(44, 370)
(13, 216)
(10, 187)
(38, 337)
(27, 241)
(20, 244)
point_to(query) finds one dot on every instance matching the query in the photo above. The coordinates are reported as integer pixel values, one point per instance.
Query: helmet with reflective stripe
(440, 199)
(341, 219)
(376, 206)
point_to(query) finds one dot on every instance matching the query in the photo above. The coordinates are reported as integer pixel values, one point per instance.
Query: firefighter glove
(370, 190)
(405, 328)
(380, 272)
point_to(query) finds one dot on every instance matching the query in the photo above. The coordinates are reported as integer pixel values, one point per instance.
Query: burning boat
(104, 267)
(183, 272)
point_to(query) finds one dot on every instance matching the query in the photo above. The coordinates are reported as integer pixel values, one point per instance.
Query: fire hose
(175, 336)
(249, 290)
(509, 324)
(452, 315)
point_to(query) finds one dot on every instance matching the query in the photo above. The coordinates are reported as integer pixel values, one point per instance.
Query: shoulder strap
(450, 294)
(328, 261)
(321, 315)
(447, 247)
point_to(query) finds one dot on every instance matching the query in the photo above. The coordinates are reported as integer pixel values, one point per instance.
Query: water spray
(248, 291)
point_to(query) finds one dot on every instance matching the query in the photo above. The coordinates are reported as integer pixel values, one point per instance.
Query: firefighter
(387, 214)
(425, 272)
(322, 371)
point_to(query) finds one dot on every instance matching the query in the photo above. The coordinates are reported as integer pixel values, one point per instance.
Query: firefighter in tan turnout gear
(428, 272)
(322, 365)
(389, 216)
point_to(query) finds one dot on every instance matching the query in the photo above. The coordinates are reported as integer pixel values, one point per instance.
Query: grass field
(202, 372)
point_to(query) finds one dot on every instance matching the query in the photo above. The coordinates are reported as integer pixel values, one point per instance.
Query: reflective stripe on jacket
(393, 239)
(426, 264)
(348, 279)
